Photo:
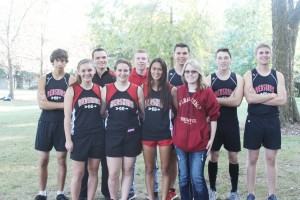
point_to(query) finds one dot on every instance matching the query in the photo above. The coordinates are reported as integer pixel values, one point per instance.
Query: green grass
(18, 159)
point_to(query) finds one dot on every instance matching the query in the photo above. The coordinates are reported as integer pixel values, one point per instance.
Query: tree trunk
(284, 44)
(11, 76)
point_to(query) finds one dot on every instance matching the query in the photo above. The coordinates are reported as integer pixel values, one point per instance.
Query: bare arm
(141, 102)
(280, 99)
(103, 102)
(208, 80)
(236, 97)
(174, 97)
(42, 99)
(67, 120)
(72, 80)
(251, 96)
(213, 128)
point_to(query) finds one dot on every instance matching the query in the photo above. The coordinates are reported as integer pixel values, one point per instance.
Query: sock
(59, 192)
(212, 174)
(234, 176)
(43, 193)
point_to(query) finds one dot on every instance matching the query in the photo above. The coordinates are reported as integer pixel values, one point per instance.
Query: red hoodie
(137, 79)
(191, 131)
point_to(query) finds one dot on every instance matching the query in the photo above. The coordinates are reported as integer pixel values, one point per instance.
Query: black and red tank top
(86, 116)
(122, 107)
(157, 123)
(264, 85)
(55, 91)
(223, 89)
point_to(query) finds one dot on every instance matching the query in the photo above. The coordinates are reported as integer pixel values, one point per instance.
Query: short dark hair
(182, 45)
(59, 54)
(223, 50)
(97, 49)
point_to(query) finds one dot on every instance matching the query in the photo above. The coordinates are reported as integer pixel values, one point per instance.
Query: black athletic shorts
(87, 146)
(50, 134)
(262, 131)
(227, 134)
(123, 143)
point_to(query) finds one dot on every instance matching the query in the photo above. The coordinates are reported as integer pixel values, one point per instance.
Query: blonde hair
(196, 65)
(261, 45)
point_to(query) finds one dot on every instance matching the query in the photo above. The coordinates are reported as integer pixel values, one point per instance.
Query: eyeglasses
(193, 72)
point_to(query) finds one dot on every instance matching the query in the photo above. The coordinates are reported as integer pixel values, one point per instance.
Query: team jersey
(157, 123)
(174, 78)
(264, 85)
(55, 91)
(86, 116)
(223, 89)
(107, 77)
(122, 107)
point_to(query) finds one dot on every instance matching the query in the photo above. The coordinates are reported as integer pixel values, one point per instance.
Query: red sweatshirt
(136, 78)
(191, 131)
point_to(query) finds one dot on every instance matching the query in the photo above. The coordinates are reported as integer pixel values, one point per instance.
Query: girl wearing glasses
(193, 135)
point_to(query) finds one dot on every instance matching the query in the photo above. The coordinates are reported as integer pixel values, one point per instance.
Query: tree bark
(285, 23)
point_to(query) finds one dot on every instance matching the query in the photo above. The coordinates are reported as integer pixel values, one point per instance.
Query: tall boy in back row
(264, 91)
(228, 88)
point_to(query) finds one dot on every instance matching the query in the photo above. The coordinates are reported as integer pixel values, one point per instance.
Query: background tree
(285, 21)
(12, 26)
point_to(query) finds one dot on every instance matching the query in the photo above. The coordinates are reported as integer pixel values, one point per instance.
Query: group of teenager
(113, 116)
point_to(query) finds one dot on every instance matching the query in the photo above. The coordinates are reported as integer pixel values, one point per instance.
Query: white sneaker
(233, 196)
(212, 195)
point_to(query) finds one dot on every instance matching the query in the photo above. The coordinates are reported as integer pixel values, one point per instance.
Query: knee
(128, 171)
(233, 159)
(165, 170)
(214, 157)
(271, 161)
(43, 163)
(149, 169)
(61, 161)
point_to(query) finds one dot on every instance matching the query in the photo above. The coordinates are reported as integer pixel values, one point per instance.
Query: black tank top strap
(274, 75)
(133, 92)
(213, 78)
(233, 78)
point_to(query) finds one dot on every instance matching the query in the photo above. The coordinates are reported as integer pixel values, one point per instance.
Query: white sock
(59, 192)
(43, 193)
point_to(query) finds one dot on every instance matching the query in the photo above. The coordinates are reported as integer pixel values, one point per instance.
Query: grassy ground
(18, 159)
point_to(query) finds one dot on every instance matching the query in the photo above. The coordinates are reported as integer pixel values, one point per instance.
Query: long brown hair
(163, 85)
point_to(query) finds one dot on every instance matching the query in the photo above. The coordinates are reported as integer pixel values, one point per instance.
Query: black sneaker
(250, 197)
(107, 198)
(40, 197)
(272, 197)
(61, 197)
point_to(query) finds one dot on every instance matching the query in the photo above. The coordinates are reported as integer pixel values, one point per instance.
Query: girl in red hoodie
(193, 136)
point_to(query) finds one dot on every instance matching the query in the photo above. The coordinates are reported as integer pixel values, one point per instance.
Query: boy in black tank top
(264, 91)
(50, 131)
(228, 88)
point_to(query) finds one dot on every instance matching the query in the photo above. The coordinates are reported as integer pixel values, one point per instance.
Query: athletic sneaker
(233, 196)
(172, 194)
(250, 197)
(272, 197)
(212, 194)
(40, 197)
(107, 198)
(131, 196)
(61, 197)
(155, 196)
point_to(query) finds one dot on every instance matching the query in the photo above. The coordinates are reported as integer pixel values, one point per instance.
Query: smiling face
(140, 60)
(86, 72)
(100, 59)
(122, 71)
(223, 60)
(156, 71)
(263, 56)
(181, 54)
(190, 74)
